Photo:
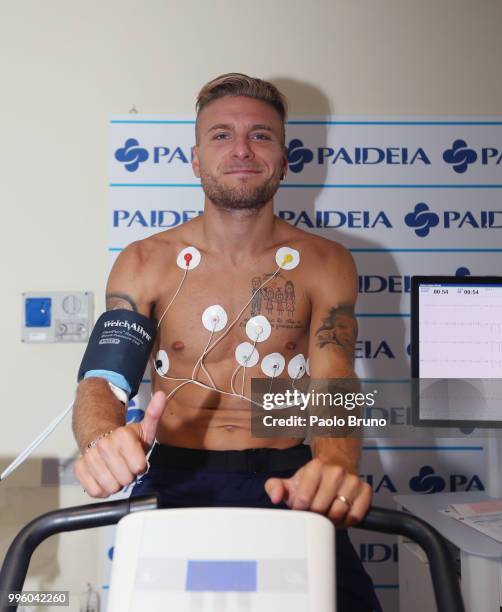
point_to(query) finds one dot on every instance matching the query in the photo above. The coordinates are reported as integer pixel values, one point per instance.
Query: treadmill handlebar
(442, 566)
(17, 559)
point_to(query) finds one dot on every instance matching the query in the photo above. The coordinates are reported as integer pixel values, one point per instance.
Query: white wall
(66, 66)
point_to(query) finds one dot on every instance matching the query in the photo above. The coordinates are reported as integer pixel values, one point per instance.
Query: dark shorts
(186, 478)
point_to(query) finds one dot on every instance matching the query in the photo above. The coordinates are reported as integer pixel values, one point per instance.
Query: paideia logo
(299, 155)
(460, 156)
(427, 481)
(422, 219)
(132, 155)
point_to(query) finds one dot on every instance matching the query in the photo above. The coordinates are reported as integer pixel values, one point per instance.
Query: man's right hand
(116, 460)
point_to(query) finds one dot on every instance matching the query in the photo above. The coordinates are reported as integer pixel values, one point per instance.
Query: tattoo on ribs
(115, 301)
(339, 327)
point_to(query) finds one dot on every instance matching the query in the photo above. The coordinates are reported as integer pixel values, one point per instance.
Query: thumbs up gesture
(147, 429)
(117, 458)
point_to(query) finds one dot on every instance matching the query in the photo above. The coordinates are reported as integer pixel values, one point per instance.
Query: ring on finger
(343, 499)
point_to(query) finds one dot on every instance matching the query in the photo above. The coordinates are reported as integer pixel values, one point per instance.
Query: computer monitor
(456, 351)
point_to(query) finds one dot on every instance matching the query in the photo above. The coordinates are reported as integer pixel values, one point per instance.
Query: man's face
(240, 156)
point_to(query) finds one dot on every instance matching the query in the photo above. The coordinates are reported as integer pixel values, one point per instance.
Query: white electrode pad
(162, 362)
(287, 258)
(297, 367)
(247, 355)
(273, 364)
(258, 328)
(188, 258)
(214, 318)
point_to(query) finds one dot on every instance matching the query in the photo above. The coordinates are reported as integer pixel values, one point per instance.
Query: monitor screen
(456, 350)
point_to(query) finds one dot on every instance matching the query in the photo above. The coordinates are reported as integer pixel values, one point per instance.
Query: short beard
(242, 197)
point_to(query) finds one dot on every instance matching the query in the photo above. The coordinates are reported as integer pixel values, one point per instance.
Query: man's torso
(198, 417)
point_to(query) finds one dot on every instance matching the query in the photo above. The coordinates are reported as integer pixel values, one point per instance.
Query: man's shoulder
(160, 248)
(315, 249)
(145, 267)
(327, 269)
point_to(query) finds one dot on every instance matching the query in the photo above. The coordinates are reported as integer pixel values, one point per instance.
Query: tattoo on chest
(277, 301)
(339, 327)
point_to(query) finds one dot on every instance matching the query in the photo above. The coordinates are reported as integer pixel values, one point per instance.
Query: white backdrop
(414, 195)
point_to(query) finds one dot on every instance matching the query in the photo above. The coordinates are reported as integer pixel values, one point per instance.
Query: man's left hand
(326, 489)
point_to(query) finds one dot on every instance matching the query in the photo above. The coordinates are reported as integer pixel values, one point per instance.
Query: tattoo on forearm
(339, 327)
(114, 301)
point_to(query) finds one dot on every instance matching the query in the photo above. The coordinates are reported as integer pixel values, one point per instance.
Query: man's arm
(329, 484)
(333, 333)
(116, 458)
(96, 409)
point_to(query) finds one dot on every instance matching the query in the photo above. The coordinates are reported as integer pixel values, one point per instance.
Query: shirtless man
(205, 444)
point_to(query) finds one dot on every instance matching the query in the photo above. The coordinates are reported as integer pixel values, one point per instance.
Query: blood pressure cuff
(118, 348)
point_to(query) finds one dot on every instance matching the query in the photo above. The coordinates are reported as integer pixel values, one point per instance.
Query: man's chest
(226, 310)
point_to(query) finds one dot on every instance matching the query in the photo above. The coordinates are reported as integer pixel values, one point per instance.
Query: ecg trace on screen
(460, 331)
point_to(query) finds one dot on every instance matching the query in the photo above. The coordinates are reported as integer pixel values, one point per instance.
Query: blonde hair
(238, 84)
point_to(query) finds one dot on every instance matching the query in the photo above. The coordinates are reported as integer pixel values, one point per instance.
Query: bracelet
(93, 443)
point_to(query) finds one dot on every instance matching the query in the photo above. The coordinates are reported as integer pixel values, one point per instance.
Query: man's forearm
(338, 451)
(345, 448)
(96, 411)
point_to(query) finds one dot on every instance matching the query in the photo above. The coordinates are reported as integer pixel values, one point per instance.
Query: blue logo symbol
(460, 156)
(421, 219)
(131, 154)
(462, 271)
(298, 155)
(427, 481)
